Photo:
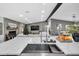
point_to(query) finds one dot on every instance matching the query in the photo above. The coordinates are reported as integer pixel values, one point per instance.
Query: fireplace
(11, 35)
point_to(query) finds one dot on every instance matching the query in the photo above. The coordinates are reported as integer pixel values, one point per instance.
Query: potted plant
(26, 32)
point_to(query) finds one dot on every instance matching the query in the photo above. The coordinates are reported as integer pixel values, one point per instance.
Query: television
(35, 28)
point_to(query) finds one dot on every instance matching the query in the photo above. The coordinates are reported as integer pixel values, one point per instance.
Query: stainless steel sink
(41, 48)
(37, 48)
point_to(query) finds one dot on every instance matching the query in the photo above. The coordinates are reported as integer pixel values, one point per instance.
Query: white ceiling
(26, 12)
(66, 11)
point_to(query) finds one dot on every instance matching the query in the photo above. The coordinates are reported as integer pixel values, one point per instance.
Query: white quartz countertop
(69, 48)
(14, 46)
(17, 45)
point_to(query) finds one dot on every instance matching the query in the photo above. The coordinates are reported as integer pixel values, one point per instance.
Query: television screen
(34, 28)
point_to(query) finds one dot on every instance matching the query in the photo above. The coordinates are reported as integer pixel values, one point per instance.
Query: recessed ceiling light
(42, 15)
(25, 18)
(41, 18)
(42, 11)
(20, 15)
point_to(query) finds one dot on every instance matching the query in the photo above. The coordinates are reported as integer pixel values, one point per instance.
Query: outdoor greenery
(73, 28)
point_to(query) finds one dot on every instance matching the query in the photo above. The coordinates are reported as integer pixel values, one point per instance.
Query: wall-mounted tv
(35, 28)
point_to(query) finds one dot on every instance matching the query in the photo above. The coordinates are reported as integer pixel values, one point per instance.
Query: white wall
(21, 28)
(2, 36)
